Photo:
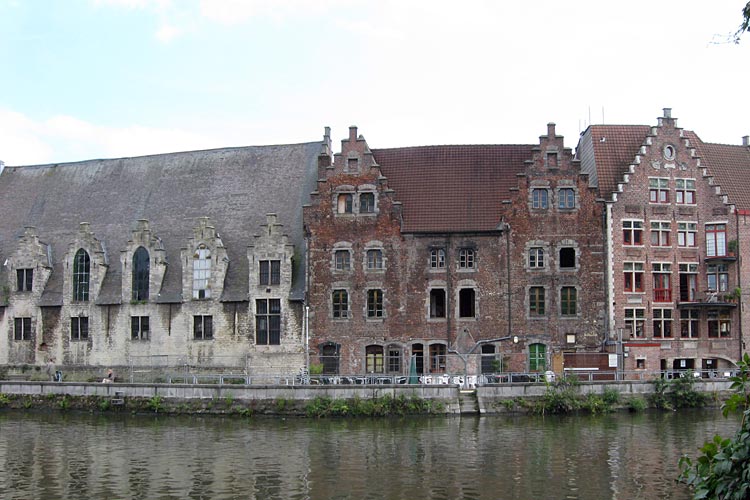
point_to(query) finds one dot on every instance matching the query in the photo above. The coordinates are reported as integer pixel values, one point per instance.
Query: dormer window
(24, 280)
(201, 272)
(270, 272)
(141, 270)
(81, 275)
(345, 203)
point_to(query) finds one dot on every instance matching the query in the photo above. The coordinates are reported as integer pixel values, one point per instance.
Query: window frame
(537, 357)
(374, 358)
(81, 276)
(374, 259)
(467, 303)
(661, 275)
(633, 276)
(141, 274)
(536, 258)
(636, 321)
(719, 323)
(537, 301)
(540, 198)
(140, 328)
(22, 330)
(203, 328)
(687, 234)
(375, 304)
(367, 207)
(79, 328)
(660, 233)
(24, 279)
(632, 232)
(437, 258)
(269, 272)
(683, 191)
(438, 303)
(658, 190)
(690, 321)
(201, 272)
(467, 259)
(340, 303)
(566, 198)
(662, 321)
(268, 321)
(568, 301)
(716, 239)
(346, 201)
(342, 260)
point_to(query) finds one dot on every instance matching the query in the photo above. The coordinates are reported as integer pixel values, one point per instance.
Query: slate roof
(614, 148)
(235, 187)
(452, 188)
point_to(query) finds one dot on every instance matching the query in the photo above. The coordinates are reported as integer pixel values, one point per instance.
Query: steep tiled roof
(614, 148)
(730, 167)
(452, 188)
(234, 187)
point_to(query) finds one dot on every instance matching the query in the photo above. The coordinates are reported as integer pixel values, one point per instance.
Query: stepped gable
(452, 188)
(730, 167)
(234, 187)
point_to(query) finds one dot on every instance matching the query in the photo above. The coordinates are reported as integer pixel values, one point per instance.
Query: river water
(621, 456)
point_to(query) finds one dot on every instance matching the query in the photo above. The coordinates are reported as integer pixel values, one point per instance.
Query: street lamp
(465, 357)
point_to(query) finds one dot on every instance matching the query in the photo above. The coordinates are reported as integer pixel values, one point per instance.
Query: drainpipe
(506, 227)
(739, 281)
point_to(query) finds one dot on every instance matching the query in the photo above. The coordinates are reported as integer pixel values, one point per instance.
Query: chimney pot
(746, 140)
(667, 112)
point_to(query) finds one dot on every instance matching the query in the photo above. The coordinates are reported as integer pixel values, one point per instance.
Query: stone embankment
(295, 399)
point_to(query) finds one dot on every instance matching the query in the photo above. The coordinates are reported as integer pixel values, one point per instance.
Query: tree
(745, 25)
(723, 470)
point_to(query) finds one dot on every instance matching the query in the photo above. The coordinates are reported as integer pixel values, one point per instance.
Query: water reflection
(50, 456)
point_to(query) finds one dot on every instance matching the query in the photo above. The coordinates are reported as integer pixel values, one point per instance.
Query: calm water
(71, 456)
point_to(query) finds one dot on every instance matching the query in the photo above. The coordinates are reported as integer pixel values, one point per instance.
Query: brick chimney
(551, 130)
(745, 142)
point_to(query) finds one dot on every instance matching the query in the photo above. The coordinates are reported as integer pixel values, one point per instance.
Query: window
(203, 327)
(367, 203)
(437, 258)
(658, 190)
(352, 164)
(663, 323)
(140, 274)
(329, 356)
(374, 259)
(24, 280)
(201, 272)
(568, 300)
(437, 358)
(640, 364)
(689, 324)
(537, 358)
(566, 198)
(81, 275)
(375, 303)
(489, 360)
(79, 328)
(567, 258)
(270, 272)
(685, 193)
(632, 232)
(539, 198)
(139, 328)
(374, 358)
(719, 324)
(660, 234)
(466, 258)
(394, 359)
(344, 205)
(662, 272)
(716, 240)
(718, 277)
(268, 321)
(466, 297)
(437, 303)
(570, 338)
(686, 233)
(342, 260)
(536, 258)
(340, 304)
(634, 320)
(633, 274)
(22, 329)
(688, 282)
(536, 301)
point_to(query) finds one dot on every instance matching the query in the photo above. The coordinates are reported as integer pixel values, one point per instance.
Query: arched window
(537, 358)
(201, 272)
(81, 275)
(141, 270)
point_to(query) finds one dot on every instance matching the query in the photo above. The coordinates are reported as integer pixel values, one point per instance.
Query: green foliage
(509, 404)
(229, 400)
(64, 403)
(281, 405)
(377, 407)
(561, 397)
(104, 404)
(4, 400)
(155, 404)
(684, 394)
(316, 368)
(611, 396)
(596, 404)
(636, 405)
(659, 398)
(723, 468)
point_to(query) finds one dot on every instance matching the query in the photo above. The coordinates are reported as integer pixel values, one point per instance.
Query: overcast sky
(86, 79)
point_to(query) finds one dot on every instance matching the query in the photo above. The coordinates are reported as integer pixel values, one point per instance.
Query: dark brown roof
(234, 187)
(730, 167)
(614, 148)
(452, 188)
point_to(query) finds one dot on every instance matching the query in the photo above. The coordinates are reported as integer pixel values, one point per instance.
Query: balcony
(712, 300)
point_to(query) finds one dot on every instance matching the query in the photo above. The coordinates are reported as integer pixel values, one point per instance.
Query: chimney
(353, 133)
(745, 142)
(667, 112)
(551, 130)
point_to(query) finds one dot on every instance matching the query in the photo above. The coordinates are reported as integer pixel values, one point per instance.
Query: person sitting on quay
(109, 378)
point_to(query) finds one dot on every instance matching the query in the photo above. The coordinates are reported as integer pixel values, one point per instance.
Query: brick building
(183, 258)
(672, 229)
(424, 258)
